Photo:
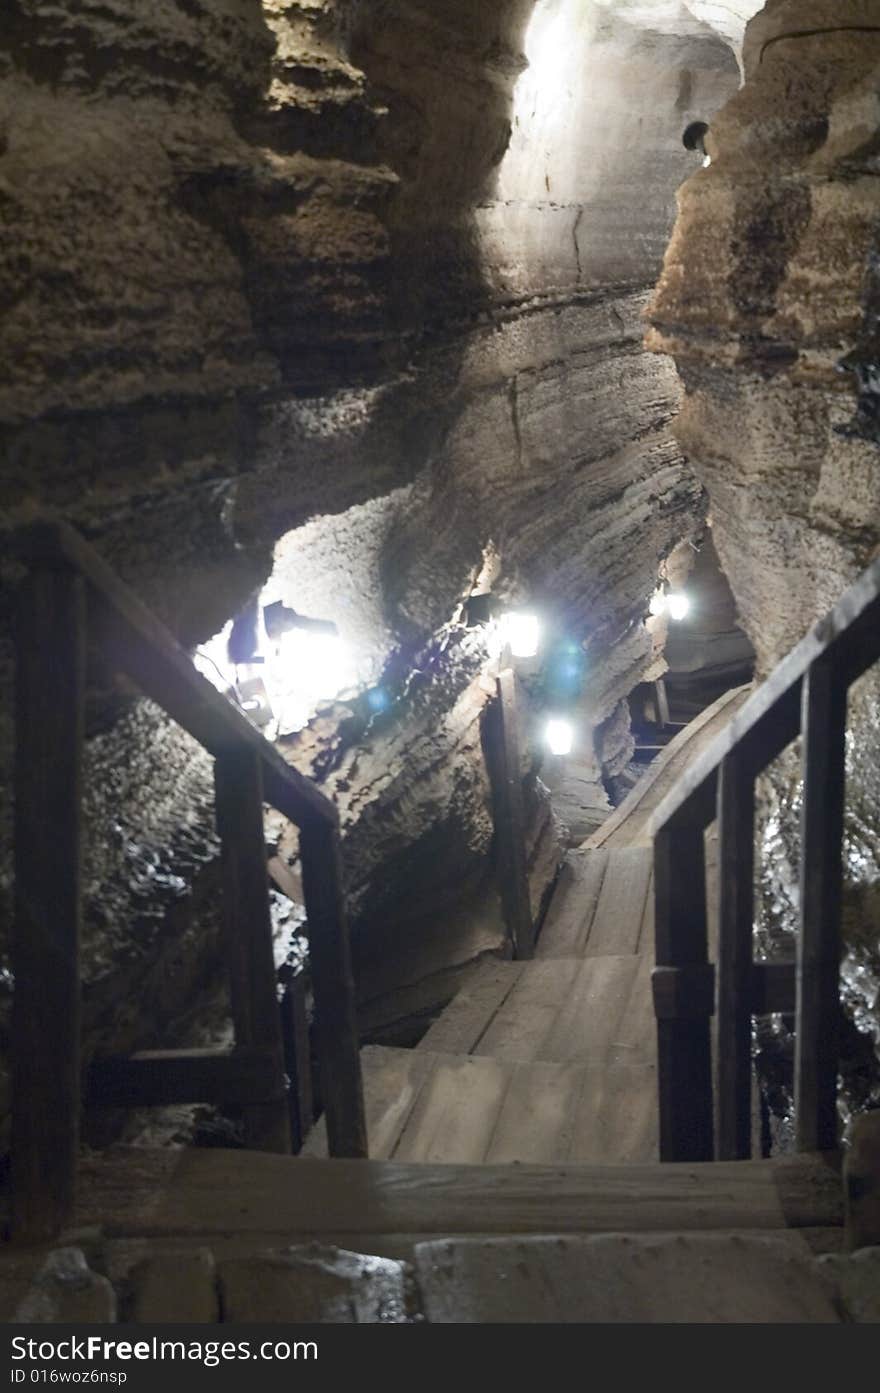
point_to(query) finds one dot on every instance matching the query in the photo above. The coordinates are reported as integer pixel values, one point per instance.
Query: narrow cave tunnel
(481, 399)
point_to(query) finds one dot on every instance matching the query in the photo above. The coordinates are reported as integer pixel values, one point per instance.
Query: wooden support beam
(736, 869)
(50, 676)
(684, 1063)
(505, 774)
(333, 986)
(817, 1029)
(247, 929)
(773, 989)
(297, 1059)
(154, 1078)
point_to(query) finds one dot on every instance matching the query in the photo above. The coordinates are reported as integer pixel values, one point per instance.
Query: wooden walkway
(551, 1060)
(548, 1064)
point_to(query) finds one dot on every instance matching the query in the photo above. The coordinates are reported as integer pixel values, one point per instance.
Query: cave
(439, 473)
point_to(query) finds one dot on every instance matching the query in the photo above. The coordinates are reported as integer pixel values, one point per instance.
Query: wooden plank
(505, 774)
(635, 1039)
(616, 1118)
(735, 888)
(160, 1077)
(333, 985)
(132, 639)
(470, 1013)
(297, 1059)
(646, 928)
(522, 1025)
(50, 676)
(537, 1116)
(247, 933)
(618, 918)
(570, 915)
(199, 1192)
(392, 1080)
(817, 1029)
(591, 1019)
(455, 1113)
(684, 1066)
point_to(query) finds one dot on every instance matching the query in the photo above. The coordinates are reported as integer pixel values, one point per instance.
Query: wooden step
(154, 1193)
(468, 1016)
(454, 1117)
(620, 910)
(570, 915)
(590, 1011)
(469, 1109)
(576, 1113)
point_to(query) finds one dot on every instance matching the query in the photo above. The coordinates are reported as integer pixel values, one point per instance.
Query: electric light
(678, 604)
(521, 632)
(658, 602)
(307, 666)
(559, 736)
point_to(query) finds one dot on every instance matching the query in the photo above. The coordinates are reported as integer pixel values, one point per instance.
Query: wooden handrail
(805, 695)
(69, 594)
(140, 646)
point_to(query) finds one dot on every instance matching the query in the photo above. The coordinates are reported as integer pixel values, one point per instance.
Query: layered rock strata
(368, 278)
(767, 303)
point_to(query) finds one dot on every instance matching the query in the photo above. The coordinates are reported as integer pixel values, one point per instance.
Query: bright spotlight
(678, 604)
(658, 602)
(521, 633)
(559, 736)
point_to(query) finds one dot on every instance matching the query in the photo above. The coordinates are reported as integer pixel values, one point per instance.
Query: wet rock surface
(766, 303)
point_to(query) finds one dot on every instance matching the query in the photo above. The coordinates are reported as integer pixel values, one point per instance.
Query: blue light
(378, 700)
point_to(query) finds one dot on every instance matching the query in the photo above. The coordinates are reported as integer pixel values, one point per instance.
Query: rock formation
(767, 303)
(351, 295)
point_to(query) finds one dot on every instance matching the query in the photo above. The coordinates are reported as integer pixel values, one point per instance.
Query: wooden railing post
(817, 1030)
(247, 927)
(297, 1058)
(505, 774)
(683, 993)
(736, 840)
(333, 986)
(50, 679)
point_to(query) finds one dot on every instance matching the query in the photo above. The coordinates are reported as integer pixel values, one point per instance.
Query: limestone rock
(856, 1282)
(175, 1288)
(862, 1181)
(66, 1291)
(692, 1278)
(312, 1284)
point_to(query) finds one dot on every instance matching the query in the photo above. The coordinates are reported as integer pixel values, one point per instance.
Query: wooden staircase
(552, 1060)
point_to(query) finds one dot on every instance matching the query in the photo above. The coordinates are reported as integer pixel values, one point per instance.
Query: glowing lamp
(559, 736)
(658, 602)
(678, 604)
(521, 633)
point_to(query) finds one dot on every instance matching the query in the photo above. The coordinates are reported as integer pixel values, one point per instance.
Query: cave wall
(364, 279)
(768, 304)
